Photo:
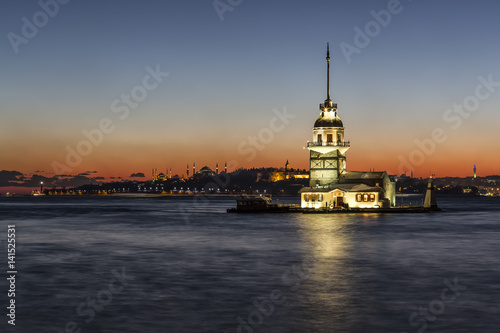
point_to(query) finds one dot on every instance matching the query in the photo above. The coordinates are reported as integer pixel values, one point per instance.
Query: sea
(104, 264)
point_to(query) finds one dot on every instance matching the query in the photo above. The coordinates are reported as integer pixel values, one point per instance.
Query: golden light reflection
(327, 240)
(327, 235)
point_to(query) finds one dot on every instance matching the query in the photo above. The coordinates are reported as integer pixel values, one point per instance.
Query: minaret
(217, 168)
(225, 167)
(475, 171)
(328, 148)
(187, 171)
(194, 168)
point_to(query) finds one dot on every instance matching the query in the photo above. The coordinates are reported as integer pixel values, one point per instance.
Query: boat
(258, 204)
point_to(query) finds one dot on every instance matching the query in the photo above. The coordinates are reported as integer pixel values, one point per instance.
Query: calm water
(164, 265)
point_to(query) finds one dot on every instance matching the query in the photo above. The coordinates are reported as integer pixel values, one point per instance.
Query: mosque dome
(205, 169)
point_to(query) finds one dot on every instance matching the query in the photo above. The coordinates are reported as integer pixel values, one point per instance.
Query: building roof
(342, 187)
(315, 189)
(361, 175)
(355, 187)
(323, 121)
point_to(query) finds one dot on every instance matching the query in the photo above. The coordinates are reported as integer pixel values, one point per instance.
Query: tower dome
(324, 121)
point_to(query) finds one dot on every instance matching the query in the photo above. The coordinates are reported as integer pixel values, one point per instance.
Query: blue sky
(227, 76)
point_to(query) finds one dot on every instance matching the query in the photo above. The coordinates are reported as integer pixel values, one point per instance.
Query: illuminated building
(159, 176)
(287, 174)
(330, 184)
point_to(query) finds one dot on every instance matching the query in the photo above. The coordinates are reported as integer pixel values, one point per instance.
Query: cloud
(65, 176)
(137, 175)
(16, 178)
(10, 178)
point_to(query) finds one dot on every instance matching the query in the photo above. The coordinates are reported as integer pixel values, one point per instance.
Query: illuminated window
(306, 197)
(365, 197)
(320, 197)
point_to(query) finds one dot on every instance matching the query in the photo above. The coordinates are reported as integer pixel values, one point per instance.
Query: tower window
(329, 138)
(320, 138)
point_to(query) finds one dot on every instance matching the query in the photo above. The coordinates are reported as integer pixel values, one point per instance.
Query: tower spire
(328, 70)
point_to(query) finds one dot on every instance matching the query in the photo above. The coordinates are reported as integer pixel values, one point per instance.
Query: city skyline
(209, 85)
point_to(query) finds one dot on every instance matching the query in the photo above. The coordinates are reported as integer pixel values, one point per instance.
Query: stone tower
(328, 148)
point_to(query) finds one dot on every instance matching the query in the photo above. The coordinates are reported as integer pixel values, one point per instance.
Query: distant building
(331, 185)
(204, 172)
(287, 174)
(159, 176)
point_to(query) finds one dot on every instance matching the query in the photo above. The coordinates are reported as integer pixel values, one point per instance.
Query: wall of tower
(324, 168)
(337, 134)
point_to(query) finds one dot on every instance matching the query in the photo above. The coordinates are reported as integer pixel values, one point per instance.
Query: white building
(331, 185)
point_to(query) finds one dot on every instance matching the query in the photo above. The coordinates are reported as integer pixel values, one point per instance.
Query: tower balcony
(325, 143)
(325, 105)
(324, 147)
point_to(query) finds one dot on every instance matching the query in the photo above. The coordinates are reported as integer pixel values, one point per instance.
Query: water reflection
(327, 290)
(327, 235)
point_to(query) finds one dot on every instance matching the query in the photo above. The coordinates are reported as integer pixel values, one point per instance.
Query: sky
(120, 87)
